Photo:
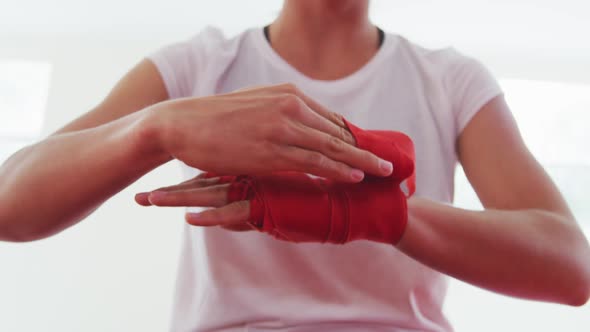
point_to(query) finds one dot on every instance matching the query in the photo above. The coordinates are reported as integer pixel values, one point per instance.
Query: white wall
(115, 271)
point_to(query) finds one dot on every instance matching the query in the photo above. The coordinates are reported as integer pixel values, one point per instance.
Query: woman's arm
(529, 253)
(525, 243)
(50, 185)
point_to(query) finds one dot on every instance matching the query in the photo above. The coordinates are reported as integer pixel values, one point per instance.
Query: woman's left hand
(202, 192)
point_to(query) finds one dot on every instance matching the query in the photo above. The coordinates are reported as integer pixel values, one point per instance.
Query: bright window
(24, 86)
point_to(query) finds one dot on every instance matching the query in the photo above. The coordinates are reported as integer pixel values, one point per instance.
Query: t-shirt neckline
(353, 79)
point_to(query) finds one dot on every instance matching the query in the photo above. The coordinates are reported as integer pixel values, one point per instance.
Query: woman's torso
(250, 281)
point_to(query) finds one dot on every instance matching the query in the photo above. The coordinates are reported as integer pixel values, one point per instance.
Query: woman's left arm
(526, 243)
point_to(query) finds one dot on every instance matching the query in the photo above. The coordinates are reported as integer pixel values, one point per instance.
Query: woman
(525, 243)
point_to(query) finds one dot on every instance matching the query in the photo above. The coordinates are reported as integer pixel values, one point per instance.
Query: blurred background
(115, 271)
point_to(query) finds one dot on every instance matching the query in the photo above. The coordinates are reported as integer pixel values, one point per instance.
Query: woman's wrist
(149, 132)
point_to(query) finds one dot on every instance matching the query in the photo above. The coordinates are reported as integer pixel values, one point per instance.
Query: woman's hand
(262, 130)
(202, 192)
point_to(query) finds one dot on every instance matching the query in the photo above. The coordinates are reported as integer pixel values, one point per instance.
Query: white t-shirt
(252, 282)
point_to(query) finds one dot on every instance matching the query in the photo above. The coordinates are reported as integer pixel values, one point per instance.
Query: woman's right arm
(58, 181)
(51, 185)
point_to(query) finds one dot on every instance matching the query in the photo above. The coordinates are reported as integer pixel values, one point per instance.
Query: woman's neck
(324, 39)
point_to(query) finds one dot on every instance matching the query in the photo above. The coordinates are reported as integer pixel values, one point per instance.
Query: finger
(220, 178)
(236, 213)
(333, 117)
(143, 198)
(251, 88)
(239, 228)
(313, 162)
(337, 150)
(203, 175)
(211, 196)
(191, 184)
(335, 142)
(312, 119)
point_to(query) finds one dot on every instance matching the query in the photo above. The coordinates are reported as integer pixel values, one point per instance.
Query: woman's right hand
(261, 130)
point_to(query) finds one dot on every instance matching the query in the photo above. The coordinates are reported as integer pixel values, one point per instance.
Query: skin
(525, 243)
(136, 129)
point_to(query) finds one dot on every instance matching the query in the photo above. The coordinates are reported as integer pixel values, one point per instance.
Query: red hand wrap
(298, 208)
(393, 146)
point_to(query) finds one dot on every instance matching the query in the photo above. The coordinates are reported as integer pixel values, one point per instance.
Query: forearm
(530, 254)
(51, 185)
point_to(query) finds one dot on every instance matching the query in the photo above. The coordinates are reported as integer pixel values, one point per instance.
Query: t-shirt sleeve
(178, 65)
(470, 86)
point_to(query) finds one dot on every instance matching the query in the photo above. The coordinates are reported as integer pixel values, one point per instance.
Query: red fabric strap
(393, 146)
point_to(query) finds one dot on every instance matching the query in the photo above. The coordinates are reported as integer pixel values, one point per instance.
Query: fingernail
(193, 215)
(357, 175)
(193, 218)
(154, 196)
(142, 198)
(386, 166)
(141, 195)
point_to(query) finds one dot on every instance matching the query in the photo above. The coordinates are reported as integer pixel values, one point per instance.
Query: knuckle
(290, 88)
(242, 206)
(346, 136)
(270, 151)
(209, 182)
(371, 159)
(338, 118)
(220, 194)
(316, 160)
(279, 130)
(285, 158)
(243, 210)
(218, 189)
(371, 156)
(335, 144)
(340, 169)
(212, 214)
(201, 182)
(290, 105)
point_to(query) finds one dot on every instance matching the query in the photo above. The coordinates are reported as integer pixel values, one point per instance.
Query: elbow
(580, 301)
(580, 286)
(581, 294)
(13, 231)
(576, 252)
(572, 289)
